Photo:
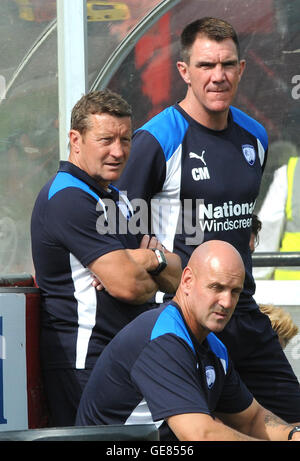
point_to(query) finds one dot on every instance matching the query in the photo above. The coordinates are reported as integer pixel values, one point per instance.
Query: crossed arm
(253, 424)
(125, 273)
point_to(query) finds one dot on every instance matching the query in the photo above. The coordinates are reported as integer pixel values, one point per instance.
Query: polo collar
(68, 167)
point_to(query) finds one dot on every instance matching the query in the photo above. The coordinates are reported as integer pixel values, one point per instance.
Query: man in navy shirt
(80, 229)
(200, 165)
(168, 367)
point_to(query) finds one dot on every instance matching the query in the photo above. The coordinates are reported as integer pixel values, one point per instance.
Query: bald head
(216, 253)
(210, 287)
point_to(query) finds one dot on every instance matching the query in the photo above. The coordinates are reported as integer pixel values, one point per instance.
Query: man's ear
(183, 71)
(75, 140)
(242, 68)
(187, 279)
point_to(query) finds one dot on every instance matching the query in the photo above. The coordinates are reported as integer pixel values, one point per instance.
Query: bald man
(169, 367)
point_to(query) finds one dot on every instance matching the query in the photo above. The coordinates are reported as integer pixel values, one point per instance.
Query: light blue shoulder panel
(169, 128)
(251, 125)
(171, 322)
(219, 349)
(64, 180)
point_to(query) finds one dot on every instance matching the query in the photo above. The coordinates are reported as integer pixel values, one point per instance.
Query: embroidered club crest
(210, 376)
(249, 153)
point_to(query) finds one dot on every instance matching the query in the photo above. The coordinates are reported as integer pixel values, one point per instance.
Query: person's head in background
(256, 227)
(282, 323)
(281, 320)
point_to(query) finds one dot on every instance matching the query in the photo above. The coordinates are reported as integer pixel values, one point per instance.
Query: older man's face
(103, 150)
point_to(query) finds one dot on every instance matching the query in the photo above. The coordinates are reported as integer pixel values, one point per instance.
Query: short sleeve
(72, 217)
(166, 375)
(235, 396)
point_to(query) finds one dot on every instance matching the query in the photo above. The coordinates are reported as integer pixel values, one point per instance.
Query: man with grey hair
(80, 229)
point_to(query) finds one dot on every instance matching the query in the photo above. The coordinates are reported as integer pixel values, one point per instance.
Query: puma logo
(200, 157)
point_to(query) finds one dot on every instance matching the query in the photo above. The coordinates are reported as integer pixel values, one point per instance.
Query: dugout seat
(86, 433)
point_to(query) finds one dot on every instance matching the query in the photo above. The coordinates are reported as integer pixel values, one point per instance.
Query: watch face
(161, 258)
(162, 263)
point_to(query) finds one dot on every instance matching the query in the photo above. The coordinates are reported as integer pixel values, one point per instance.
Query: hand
(151, 242)
(96, 283)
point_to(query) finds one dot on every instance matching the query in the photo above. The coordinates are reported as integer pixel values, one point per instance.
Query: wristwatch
(162, 263)
(295, 429)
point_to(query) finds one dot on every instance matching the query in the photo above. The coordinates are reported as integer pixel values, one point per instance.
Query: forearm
(271, 427)
(168, 280)
(252, 424)
(143, 289)
(221, 432)
(201, 427)
(123, 278)
(190, 428)
(126, 274)
(137, 286)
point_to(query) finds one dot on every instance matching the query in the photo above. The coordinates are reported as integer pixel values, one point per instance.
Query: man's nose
(218, 73)
(117, 149)
(226, 300)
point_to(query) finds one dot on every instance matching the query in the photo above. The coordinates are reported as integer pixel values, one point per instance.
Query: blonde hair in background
(281, 321)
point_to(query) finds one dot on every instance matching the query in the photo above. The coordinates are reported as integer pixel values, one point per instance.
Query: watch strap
(295, 429)
(162, 263)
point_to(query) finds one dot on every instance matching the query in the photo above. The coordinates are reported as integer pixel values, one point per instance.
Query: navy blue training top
(155, 368)
(202, 184)
(73, 224)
